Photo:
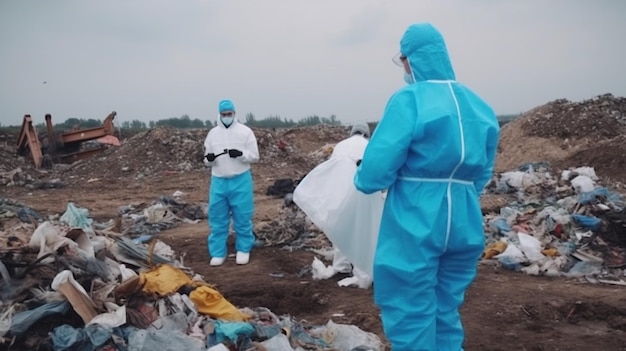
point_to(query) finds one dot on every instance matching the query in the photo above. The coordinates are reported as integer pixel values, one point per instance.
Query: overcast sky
(154, 59)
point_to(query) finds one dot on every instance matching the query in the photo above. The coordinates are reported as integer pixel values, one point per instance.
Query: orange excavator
(65, 147)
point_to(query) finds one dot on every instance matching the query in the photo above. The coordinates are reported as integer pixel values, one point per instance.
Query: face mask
(227, 120)
(408, 78)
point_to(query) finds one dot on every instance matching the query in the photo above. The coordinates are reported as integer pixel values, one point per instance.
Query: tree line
(185, 121)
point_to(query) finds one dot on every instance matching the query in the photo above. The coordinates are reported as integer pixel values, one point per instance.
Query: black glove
(234, 153)
(210, 157)
(358, 163)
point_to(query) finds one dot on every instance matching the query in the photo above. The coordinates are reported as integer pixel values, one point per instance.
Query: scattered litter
(567, 226)
(95, 288)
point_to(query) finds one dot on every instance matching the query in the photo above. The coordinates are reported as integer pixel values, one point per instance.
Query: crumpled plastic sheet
(611, 197)
(582, 268)
(23, 212)
(23, 320)
(26, 213)
(347, 337)
(278, 343)
(170, 335)
(299, 336)
(500, 225)
(588, 222)
(154, 340)
(77, 217)
(132, 250)
(177, 211)
(90, 338)
(184, 210)
(232, 330)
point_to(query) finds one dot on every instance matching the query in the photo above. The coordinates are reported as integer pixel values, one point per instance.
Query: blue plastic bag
(588, 222)
(24, 320)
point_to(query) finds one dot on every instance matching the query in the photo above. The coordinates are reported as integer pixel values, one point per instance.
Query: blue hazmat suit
(434, 151)
(231, 190)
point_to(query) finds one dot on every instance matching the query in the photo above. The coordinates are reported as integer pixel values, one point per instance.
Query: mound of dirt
(165, 150)
(608, 157)
(149, 153)
(601, 117)
(568, 134)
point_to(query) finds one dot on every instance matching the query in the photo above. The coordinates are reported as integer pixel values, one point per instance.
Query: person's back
(434, 149)
(354, 146)
(450, 131)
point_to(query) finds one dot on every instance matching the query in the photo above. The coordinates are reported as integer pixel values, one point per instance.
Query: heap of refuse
(603, 116)
(571, 225)
(69, 283)
(163, 150)
(566, 134)
(14, 169)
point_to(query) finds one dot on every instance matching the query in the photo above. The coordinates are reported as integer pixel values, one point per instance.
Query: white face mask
(227, 120)
(408, 78)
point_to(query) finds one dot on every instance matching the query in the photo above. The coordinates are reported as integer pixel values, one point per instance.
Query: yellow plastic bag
(211, 303)
(164, 280)
(494, 249)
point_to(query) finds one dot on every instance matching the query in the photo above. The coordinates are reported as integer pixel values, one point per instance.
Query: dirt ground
(504, 310)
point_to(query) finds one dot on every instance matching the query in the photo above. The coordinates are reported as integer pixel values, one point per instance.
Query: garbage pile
(14, 169)
(603, 116)
(569, 226)
(567, 134)
(150, 153)
(69, 283)
(293, 152)
(164, 150)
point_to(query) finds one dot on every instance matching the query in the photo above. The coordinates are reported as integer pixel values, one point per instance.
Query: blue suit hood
(426, 50)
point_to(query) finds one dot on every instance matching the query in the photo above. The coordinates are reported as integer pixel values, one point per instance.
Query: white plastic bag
(587, 171)
(349, 218)
(341, 264)
(519, 179)
(583, 184)
(319, 194)
(277, 343)
(320, 271)
(360, 279)
(531, 247)
(48, 239)
(346, 337)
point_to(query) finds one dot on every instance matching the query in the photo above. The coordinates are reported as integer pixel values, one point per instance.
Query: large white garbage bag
(349, 218)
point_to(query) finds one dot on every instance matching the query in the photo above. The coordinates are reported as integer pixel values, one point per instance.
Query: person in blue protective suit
(230, 148)
(434, 151)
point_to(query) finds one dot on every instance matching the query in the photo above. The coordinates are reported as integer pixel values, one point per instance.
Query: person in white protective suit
(434, 151)
(230, 148)
(353, 148)
(348, 218)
